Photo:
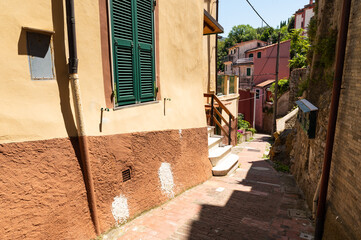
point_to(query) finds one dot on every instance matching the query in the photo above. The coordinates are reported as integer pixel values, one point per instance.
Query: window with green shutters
(132, 40)
(248, 71)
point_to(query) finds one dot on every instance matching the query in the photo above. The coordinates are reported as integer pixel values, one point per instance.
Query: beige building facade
(141, 154)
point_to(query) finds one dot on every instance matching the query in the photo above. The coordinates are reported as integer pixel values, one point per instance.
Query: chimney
(311, 1)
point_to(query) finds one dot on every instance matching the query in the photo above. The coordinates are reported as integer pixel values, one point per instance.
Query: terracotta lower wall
(43, 194)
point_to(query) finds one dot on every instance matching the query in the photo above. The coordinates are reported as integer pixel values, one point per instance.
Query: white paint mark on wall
(166, 179)
(180, 133)
(120, 209)
(220, 189)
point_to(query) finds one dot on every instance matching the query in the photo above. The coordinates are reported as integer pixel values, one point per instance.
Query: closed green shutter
(123, 51)
(133, 54)
(145, 44)
(248, 72)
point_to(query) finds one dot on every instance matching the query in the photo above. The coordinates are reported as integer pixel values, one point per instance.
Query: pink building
(304, 15)
(263, 75)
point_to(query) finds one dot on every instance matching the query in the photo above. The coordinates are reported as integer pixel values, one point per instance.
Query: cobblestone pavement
(255, 202)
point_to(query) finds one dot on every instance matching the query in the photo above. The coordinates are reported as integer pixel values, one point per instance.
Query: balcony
(245, 82)
(229, 58)
(244, 61)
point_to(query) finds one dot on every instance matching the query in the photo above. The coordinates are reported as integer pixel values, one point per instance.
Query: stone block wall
(297, 77)
(343, 217)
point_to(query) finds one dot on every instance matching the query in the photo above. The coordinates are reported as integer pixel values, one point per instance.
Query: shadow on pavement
(248, 214)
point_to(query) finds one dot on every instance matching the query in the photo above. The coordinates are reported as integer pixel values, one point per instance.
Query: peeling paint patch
(166, 179)
(180, 133)
(120, 209)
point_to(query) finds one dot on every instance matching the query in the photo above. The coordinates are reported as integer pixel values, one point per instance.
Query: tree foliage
(299, 49)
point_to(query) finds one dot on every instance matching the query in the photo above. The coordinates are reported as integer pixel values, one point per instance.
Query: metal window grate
(126, 175)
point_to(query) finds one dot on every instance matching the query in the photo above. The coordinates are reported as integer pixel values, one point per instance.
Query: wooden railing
(211, 107)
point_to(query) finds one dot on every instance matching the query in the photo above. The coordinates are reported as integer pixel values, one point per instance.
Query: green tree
(222, 53)
(242, 33)
(299, 49)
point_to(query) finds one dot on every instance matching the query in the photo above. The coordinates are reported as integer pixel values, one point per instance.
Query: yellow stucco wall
(209, 53)
(36, 110)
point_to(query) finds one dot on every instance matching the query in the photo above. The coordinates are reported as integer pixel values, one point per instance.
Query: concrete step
(216, 154)
(210, 131)
(226, 166)
(214, 141)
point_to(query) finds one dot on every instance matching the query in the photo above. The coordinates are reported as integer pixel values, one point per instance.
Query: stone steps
(223, 161)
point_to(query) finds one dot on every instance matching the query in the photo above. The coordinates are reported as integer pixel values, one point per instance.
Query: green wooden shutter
(123, 51)
(145, 42)
(248, 72)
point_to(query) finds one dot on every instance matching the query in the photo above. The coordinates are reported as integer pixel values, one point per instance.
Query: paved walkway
(255, 202)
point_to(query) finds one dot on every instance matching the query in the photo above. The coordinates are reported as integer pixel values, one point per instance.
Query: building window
(132, 25)
(232, 83)
(259, 55)
(257, 93)
(251, 55)
(248, 71)
(40, 56)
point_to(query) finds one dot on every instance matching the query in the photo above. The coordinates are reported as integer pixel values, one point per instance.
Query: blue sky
(236, 12)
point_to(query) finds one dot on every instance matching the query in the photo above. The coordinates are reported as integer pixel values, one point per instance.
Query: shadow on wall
(61, 67)
(60, 62)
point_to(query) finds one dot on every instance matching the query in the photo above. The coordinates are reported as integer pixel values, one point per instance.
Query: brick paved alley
(255, 202)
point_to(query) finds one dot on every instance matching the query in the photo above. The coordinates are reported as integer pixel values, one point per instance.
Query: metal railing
(211, 107)
(244, 60)
(228, 58)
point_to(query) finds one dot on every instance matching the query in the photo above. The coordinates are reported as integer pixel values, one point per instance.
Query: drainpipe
(340, 58)
(83, 141)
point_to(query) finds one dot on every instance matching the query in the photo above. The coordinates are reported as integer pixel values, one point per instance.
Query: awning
(210, 25)
(265, 83)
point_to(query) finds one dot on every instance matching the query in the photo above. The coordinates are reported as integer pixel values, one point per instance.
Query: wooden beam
(219, 125)
(220, 115)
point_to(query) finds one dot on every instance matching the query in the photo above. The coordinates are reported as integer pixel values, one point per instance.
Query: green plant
(253, 130)
(239, 135)
(243, 124)
(280, 167)
(283, 86)
(299, 49)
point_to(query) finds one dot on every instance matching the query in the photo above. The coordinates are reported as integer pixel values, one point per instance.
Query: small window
(259, 55)
(248, 71)
(257, 93)
(251, 55)
(40, 56)
(232, 84)
(225, 67)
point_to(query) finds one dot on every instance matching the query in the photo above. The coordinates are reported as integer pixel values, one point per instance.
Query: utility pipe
(274, 122)
(254, 108)
(331, 129)
(83, 140)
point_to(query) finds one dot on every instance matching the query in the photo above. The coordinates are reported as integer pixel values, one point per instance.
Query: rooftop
(266, 83)
(242, 43)
(264, 47)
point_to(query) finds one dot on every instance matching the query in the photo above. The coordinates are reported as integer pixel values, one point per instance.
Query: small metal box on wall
(307, 116)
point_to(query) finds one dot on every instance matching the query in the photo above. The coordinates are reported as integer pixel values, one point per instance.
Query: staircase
(223, 161)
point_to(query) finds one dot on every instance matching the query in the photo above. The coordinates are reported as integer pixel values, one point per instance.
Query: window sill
(134, 105)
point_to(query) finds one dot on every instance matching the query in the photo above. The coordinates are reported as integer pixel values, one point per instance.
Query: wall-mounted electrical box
(307, 116)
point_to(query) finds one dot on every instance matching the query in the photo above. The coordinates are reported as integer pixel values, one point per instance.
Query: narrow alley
(254, 202)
